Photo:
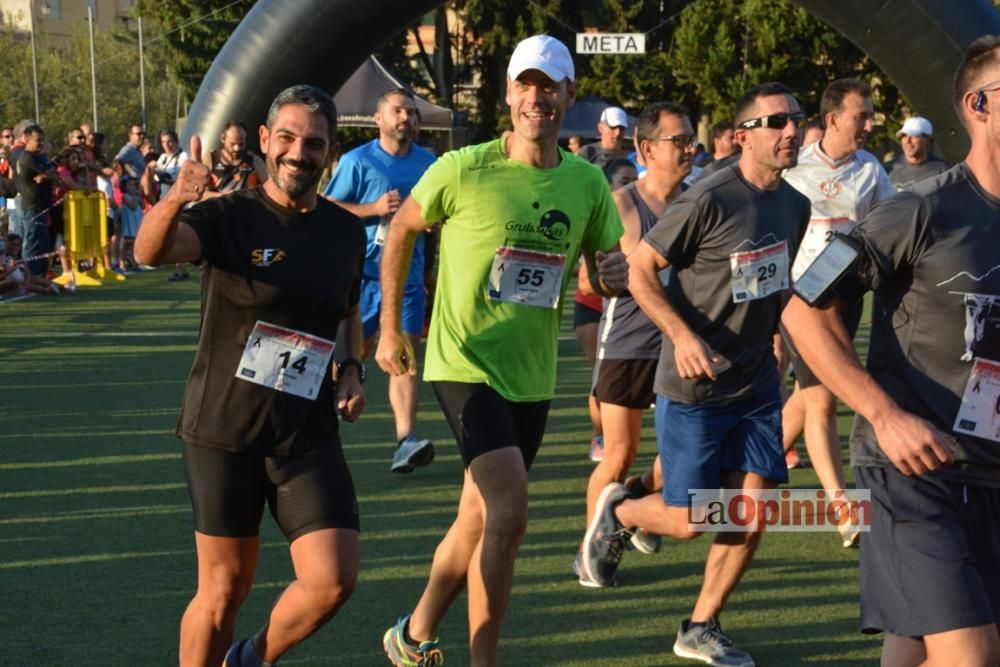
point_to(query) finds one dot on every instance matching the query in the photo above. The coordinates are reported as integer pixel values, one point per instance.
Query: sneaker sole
(602, 500)
(582, 579)
(421, 457)
(682, 652)
(386, 642)
(852, 542)
(639, 545)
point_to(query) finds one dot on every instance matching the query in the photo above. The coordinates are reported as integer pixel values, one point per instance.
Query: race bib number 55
(759, 273)
(285, 360)
(526, 277)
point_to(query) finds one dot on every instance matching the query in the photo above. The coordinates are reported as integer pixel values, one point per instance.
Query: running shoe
(411, 453)
(402, 653)
(792, 459)
(709, 644)
(597, 449)
(850, 532)
(581, 574)
(606, 537)
(233, 655)
(646, 543)
(636, 488)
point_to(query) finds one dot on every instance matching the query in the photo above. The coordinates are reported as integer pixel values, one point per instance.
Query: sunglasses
(681, 141)
(776, 121)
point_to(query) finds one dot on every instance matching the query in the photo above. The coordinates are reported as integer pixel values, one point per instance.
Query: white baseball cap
(543, 53)
(614, 117)
(916, 126)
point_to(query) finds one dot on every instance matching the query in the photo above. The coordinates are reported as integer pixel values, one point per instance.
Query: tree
(194, 32)
(64, 83)
(634, 81)
(723, 47)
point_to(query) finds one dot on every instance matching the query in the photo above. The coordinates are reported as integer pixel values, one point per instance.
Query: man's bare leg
(226, 567)
(822, 440)
(326, 571)
(502, 484)
(450, 566)
(730, 555)
(622, 428)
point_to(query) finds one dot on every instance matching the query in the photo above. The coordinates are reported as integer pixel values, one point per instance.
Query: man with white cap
(517, 213)
(612, 128)
(916, 163)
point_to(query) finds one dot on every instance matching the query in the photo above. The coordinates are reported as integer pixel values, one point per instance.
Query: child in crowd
(16, 279)
(129, 217)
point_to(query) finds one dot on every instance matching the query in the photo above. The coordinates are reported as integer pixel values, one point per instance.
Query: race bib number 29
(759, 273)
(285, 360)
(526, 277)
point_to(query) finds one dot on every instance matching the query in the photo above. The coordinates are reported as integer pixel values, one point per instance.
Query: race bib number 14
(526, 277)
(759, 273)
(285, 360)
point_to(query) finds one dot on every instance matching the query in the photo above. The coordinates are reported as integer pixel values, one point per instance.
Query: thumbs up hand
(193, 178)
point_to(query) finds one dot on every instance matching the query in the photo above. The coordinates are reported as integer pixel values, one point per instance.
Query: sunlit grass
(96, 550)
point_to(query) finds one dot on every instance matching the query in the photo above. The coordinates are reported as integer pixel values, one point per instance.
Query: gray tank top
(625, 332)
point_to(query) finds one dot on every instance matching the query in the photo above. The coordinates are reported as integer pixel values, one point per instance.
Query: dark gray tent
(582, 118)
(356, 99)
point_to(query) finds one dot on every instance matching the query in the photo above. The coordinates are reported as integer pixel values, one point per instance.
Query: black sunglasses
(776, 121)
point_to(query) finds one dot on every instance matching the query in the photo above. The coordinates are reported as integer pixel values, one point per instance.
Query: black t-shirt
(265, 263)
(905, 175)
(932, 257)
(34, 196)
(731, 247)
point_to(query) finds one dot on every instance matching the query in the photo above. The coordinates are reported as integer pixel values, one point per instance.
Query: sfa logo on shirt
(553, 225)
(266, 256)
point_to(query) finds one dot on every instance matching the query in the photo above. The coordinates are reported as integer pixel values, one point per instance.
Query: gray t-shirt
(932, 257)
(598, 155)
(904, 175)
(731, 246)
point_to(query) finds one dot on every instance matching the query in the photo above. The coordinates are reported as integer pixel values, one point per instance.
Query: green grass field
(96, 550)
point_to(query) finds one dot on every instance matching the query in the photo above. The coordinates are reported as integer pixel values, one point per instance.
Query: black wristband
(351, 361)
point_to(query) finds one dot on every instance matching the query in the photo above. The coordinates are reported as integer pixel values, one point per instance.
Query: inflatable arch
(918, 43)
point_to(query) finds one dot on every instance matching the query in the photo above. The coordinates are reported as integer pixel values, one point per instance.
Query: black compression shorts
(304, 493)
(483, 420)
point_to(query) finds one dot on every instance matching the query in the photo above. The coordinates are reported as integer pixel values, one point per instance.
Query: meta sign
(610, 42)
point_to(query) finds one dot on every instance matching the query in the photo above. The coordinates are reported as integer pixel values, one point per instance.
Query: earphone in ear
(980, 103)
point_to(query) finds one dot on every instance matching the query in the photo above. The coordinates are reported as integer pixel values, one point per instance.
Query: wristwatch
(351, 361)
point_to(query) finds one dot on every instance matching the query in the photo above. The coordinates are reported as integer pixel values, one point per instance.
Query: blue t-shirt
(368, 172)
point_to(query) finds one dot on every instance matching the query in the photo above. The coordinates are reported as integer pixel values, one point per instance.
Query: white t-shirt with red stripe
(841, 192)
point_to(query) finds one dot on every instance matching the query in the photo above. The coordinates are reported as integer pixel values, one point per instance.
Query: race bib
(979, 414)
(526, 277)
(382, 231)
(285, 360)
(817, 236)
(759, 273)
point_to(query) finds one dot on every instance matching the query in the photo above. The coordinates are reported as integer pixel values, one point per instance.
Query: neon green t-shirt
(511, 236)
